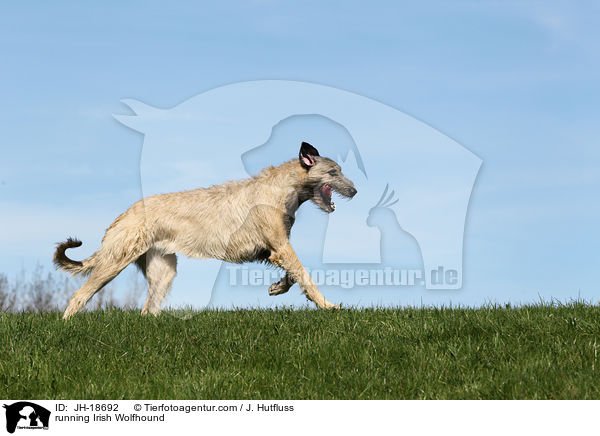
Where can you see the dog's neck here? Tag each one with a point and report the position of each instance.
(289, 185)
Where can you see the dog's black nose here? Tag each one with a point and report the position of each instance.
(353, 192)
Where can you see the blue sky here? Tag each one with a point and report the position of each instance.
(514, 82)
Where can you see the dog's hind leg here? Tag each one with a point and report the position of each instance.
(99, 277)
(160, 270)
(286, 258)
(282, 286)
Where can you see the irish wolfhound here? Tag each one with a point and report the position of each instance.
(239, 221)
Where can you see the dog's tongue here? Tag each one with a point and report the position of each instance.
(326, 193)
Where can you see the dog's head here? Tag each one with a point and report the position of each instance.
(323, 176)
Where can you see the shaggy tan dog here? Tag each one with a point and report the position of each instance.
(239, 221)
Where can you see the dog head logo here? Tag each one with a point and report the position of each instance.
(427, 177)
(26, 415)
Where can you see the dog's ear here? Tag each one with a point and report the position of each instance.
(307, 155)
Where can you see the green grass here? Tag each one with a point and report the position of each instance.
(545, 351)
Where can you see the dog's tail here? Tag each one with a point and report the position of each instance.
(75, 267)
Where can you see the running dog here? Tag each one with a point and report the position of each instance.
(238, 221)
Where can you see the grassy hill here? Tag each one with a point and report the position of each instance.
(545, 351)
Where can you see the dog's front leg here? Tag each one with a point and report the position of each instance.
(282, 286)
(286, 258)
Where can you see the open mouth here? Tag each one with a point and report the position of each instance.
(326, 196)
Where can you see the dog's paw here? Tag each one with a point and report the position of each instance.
(278, 289)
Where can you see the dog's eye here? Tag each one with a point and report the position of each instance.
(332, 172)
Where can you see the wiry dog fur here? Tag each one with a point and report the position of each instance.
(238, 221)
